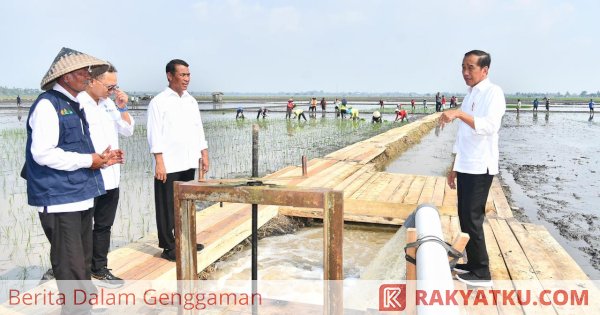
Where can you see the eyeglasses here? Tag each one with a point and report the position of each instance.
(110, 88)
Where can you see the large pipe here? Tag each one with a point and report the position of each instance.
(433, 271)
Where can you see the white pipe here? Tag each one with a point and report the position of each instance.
(433, 271)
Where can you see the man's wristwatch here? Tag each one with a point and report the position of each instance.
(122, 110)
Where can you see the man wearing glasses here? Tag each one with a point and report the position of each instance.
(62, 170)
(176, 139)
(107, 120)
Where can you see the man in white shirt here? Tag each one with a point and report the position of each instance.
(177, 141)
(61, 169)
(106, 121)
(476, 160)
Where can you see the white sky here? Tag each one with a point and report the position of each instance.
(273, 46)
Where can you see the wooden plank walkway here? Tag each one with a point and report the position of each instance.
(518, 251)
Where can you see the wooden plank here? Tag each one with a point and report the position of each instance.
(499, 199)
(438, 191)
(338, 172)
(518, 265)
(427, 191)
(400, 194)
(357, 183)
(366, 186)
(392, 187)
(489, 205)
(414, 192)
(450, 197)
(374, 192)
(369, 168)
(446, 229)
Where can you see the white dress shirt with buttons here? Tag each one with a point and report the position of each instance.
(477, 149)
(105, 126)
(44, 140)
(175, 130)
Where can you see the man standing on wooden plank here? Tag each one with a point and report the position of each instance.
(107, 120)
(475, 160)
(177, 141)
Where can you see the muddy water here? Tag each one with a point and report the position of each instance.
(300, 255)
(550, 164)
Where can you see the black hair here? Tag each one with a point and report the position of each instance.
(98, 72)
(484, 59)
(171, 65)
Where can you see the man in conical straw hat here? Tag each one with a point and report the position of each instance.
(62, 169)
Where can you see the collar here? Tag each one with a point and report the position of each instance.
(59, 88)
(171, 92)
(480, 86)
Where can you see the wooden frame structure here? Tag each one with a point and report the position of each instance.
(331, 201)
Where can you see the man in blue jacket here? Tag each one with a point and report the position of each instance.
(61, 168)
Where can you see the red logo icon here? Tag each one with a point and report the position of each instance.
(392, 297)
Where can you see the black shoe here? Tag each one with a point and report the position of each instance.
(199, 247)
(473, 280)
(104, 278)
(461, 269)
(168, 254)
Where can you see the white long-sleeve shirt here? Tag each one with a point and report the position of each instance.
(477, 149)
(175, 130)
(106, 124)
(44, 140)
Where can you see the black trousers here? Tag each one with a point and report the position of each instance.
(105, 209)
(165, 206)
(472, 191)
(70, 236)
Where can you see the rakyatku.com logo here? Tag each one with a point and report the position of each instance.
(392, 297)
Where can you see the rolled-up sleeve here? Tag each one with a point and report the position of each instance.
(124, 128)
(44, 141)
(490, 123)
(155, 128)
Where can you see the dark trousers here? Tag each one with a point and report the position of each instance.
(165, 206)
(105, 209)
(70, 236)
(472, 191)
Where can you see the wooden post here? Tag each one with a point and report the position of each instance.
(460, 242)
(333, 238)
(201, 173)
(185, 242)
(304, 166)
(411, 273)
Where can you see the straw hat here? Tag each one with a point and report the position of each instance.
(69, 60)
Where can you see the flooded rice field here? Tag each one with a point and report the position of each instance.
(24, 248)
(549, 167)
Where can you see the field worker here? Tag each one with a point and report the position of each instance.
(313, 105)
(547, 104)
(107, 120)
(443, 102)
(412, 104)
(62, 171)
(262, 111)
(177, 141)
(591, 105)
(401, 115)
(424, 105)
(518, 105)
(298, 112)
(239, 113)
(376, 117)
(323, 104)
(476, 160)
(289, 107)
(353, 112)
(343, 109)
(381, 104)
(535, 104)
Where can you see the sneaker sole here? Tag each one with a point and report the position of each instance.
(459, 271)
(476, 283)
(105, 284)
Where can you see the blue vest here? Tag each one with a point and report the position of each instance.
(47, 186)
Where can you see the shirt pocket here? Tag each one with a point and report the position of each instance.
(73, 132)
